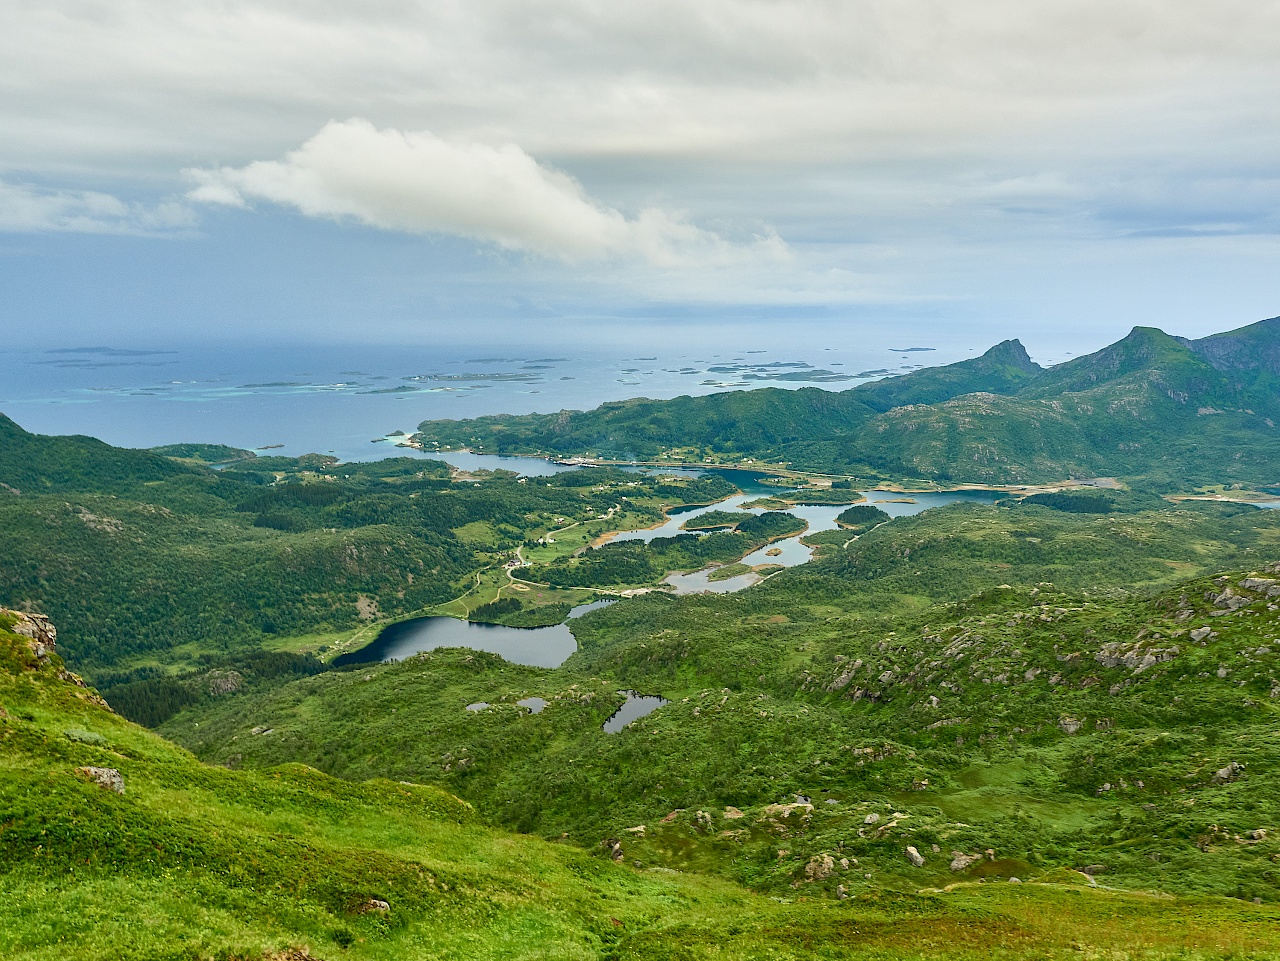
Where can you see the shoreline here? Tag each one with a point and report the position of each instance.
(788, 473)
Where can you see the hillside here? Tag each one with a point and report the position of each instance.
(118, 845)
(156, 562)
(1059, 727)
(1161, 411)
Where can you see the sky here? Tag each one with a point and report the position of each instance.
(397, 172)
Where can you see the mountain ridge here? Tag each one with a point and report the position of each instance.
(1129, 410)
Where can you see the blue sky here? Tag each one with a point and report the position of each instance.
(572, 170)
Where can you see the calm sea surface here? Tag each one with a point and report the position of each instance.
(340, 399)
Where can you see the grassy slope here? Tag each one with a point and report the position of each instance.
(200, 862)
(768, 703)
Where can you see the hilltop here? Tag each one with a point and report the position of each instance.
(1162, 411)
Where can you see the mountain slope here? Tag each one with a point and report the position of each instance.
(1004, 369)
(1255, 347)
(1154, 408)
(35, 463)
(118, 845)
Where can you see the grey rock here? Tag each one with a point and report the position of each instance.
(223, 682)
(107, 778)
(819, 867)
(1228, 773)
(914, 856)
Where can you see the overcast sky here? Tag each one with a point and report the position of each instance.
(393, 170)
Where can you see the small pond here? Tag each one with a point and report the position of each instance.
(633, 708)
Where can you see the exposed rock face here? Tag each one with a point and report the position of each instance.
(1070, 725)
(914, 856)
(1228, 600)
(224, 682)
(43, 646)
(1200, 633)
(961, 861)
(39, 628)
(1136, 656)
(784, 810)
(1266, 584)
(107, 778)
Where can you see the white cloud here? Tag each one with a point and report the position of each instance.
(27, 209)
(417, 182)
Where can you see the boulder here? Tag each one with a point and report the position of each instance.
(1228, 773)
(820, 866)
(107, 778)
(961, 861)
(914, 856)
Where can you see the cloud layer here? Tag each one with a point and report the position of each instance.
(420, 183)
(24, 208)
(903, 150)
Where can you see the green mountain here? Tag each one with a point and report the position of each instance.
(1132, 734)
(1256, 347)
(36, 463)
(118, 845)
(1004, 369)
(1155, 409)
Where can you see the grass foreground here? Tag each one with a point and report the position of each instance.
(196, 861)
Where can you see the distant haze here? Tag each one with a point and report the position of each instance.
(583, 172)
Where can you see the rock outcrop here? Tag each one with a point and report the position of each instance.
(107, 778)
(39, 628)
(42, 642)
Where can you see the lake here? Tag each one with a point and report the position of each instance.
(791, 551)
(533, 646)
